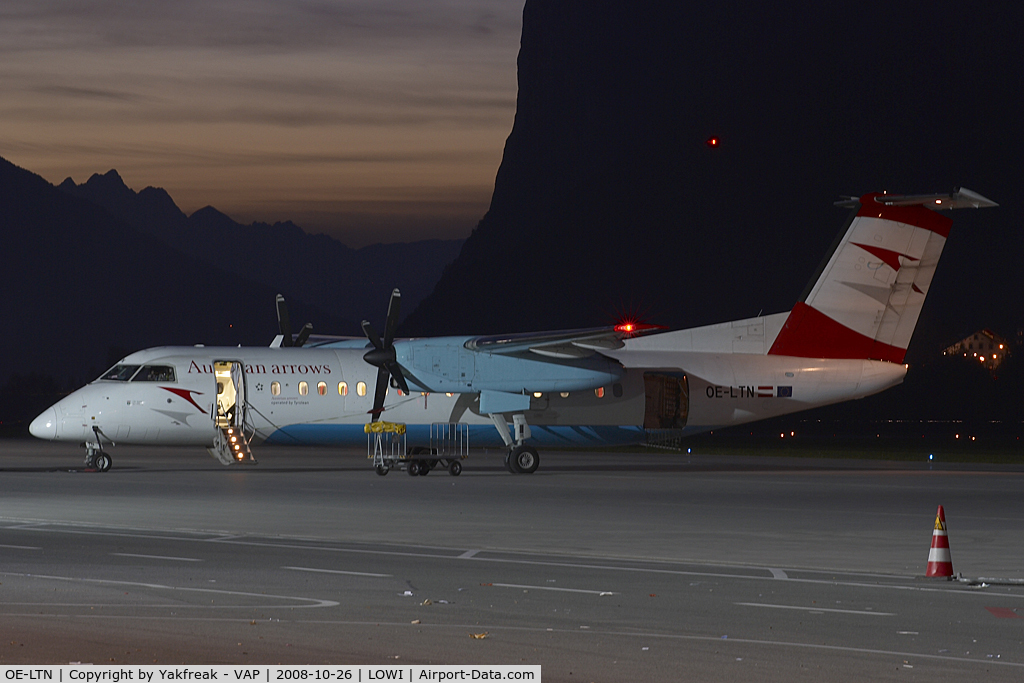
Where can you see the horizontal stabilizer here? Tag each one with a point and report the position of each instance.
(960, 198)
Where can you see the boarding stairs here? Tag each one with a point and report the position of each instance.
(230, 447)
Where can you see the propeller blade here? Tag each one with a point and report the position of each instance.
(396, 371)
(303, 334)
(371, 334)
(394, 307)
(382, 355)
(379, 392)
(283, 321)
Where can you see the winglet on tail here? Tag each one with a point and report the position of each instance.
(867, 299)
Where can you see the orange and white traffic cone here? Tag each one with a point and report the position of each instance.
(939, 561)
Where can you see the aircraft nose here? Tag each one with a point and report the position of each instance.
(44, 426)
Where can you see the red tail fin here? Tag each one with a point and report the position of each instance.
(867, 300)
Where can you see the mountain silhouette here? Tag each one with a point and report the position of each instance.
(352, 283)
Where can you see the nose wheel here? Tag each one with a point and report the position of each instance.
(99, 461)
(95, 459)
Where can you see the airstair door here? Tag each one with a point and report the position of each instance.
(231, 402)
(230, 444)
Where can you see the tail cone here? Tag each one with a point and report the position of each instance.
(939, 561)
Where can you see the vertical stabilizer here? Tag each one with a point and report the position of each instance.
(867, 299)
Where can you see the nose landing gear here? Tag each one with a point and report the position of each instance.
(96, 459)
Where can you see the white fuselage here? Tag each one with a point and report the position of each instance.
(323, 396)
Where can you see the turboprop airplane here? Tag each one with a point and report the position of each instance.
(845, 339)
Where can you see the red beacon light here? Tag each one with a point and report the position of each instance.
(712, 142)
(631, 329)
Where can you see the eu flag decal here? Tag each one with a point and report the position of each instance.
(785, 392)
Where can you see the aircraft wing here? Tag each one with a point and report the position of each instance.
(563, 344)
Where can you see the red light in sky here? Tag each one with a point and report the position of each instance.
(712, 142)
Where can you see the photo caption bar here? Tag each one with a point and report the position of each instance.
(155, 673)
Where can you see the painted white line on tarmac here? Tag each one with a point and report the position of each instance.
(313, 602)
(778, 573)
(551, 588)
(816, 609)
(158, 557)
(337, 571)
(20, 547)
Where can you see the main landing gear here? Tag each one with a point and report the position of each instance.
(520, 458)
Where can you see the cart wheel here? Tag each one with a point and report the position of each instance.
(414, 468)
(455, 468)
(381, 470)
(425, 467)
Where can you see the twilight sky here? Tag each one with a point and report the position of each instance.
(371, 120)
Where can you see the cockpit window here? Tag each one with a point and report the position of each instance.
(120, 373)
(155, 373)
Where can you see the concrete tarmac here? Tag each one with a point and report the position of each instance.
(599, 567)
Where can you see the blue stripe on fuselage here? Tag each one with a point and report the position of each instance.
(480, 436)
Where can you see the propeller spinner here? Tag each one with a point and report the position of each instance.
(383, 357)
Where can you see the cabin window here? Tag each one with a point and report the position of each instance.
(564, 394)
(342, 388)
(120, 373)
(361, 388)
(303, 388)
(275, 388)
(599, 392)
(154, 373)
(321, 388)
(538, 394)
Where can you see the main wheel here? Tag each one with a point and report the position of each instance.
(103, 462)
(455, 468)
(510, 463)
(525, 460)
